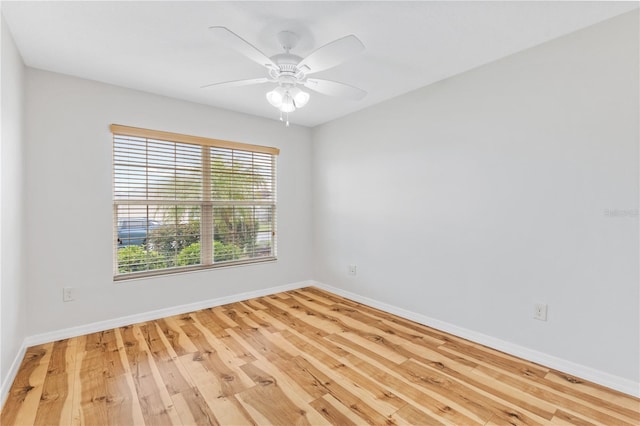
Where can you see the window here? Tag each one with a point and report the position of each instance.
(185, 202)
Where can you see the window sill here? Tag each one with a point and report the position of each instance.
(183, 270)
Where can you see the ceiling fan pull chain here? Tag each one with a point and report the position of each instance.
(287, 123)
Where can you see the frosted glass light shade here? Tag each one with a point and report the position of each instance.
(300, 98)
(275, 97)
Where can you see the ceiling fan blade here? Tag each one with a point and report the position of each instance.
(331, 54)
(333, 88)
(238, 83)
(241, 45)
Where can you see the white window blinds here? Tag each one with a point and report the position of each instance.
(183, 202)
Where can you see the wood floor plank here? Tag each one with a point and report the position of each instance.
(304, 357)
(347, 398)
(220, 314)
(55, 401)
(600, 414)
(226, 409)
(452, 370)
(283, 376)
(334, 412)
(92, 386)
(76, 379)
(254, 304)
(280, 311)
(440, 408)
(461, 373)
(155, 401)
(232, 380)
(345, 346)
(259, 346)
(341, 304)
(55, 392)
(208, 319)
(616, 402)
(392, 366)
(174, 379)
(119, 400)
(131, 408)
(410, 415)
(24, 397)
(315, 298)
(289, 309)
(260, 372)
(335, 376)
(495, 358)
(345, 305)
(357, 322)
(192, 408)
(180, 342)
(564, 418)
(463, 394)
(377, 344)
(218, 338)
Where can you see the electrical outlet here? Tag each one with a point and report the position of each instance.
(352, 269)
(540, 311)
(67, 294)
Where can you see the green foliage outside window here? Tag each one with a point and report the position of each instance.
(171, 239)
(221, 252)
(136, 258)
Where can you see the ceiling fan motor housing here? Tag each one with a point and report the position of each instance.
(287, 72)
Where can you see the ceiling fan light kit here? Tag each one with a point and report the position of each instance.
(287, 99)
(289, 71)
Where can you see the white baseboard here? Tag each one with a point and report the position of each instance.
(605, 379)
(94, 327)
(11, 374)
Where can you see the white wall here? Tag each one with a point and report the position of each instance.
(470, 200)
(69, 201)
(13, 292)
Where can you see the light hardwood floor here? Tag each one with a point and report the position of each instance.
(296, 358)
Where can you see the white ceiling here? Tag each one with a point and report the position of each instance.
(166, 48)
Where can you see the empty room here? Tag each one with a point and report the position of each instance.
(320, 213)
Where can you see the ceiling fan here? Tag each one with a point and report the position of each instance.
(289, 71)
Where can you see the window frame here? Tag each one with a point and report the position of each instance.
(206, 204)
